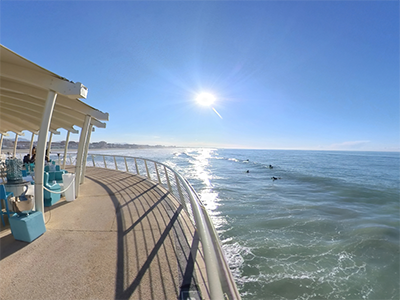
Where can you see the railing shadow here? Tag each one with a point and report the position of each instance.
(8, 246)
(151, 201)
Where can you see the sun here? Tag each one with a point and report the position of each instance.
(205, 99)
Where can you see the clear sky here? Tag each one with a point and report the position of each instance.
(286, 74)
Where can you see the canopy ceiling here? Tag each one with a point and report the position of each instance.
(24, 88)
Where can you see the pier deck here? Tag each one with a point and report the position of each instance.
(124, 238)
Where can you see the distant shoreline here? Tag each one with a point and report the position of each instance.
(61, 150)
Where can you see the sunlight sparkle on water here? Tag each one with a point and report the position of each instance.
(208, 196)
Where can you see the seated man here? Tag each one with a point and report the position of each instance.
(27, 159)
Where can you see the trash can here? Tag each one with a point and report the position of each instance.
(68, 180)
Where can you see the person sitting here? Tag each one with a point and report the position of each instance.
(47, 157)
(27, 159)
(33, 157)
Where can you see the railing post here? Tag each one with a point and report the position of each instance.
(180, 192)
(137, 168)
(169, 183)
(126, 165)
(94, 164)
(147, 169)
(158, 175)
(115, 161)
(105, 164)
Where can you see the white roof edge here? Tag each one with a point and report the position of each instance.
(24, 77)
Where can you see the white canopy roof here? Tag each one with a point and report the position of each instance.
(24, 88)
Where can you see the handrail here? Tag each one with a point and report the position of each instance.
(220, 279)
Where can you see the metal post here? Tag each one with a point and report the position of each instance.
(79, 157)
(89, 134)
(105, 164)
(137, 168)
(15, 145)
(115, 162)
(126, 165)
(147, 169)
(158, 175)
(40, 150)
(169, 183)
(180, 193)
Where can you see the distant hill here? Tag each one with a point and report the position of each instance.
(24, 144)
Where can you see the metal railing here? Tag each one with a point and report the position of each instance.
(220, 279)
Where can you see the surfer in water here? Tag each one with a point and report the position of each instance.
(275, 178)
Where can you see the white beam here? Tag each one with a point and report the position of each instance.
(9, 126)
(56, 132)
(98, 124)
(43, 80)
(40, 150)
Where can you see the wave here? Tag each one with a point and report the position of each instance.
(182, 154)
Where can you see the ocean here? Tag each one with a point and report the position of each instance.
(327, 228)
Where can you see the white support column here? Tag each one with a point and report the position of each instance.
(3, 134)
(15, 145)
(49, 144)
(30, 148)
(79, 157)
(86, 153)
(40, 150)
(66, 149)
(1, 141)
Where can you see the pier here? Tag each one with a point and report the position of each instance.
(125, 237)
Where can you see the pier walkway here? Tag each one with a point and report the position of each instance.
(125, 237)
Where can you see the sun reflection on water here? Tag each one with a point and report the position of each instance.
(207, 195)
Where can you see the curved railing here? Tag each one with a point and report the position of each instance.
(221, 282)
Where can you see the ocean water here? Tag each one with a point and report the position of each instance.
(329, 228)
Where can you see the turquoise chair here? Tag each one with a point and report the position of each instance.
(50, 198)
(55, 175)
(4, 197)
(30, 168)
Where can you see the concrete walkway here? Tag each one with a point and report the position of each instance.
(123, 238)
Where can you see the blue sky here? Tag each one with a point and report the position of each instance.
(287, 75)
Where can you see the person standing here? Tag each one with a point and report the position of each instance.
(33, 157)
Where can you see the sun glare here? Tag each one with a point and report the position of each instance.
(205, 99)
